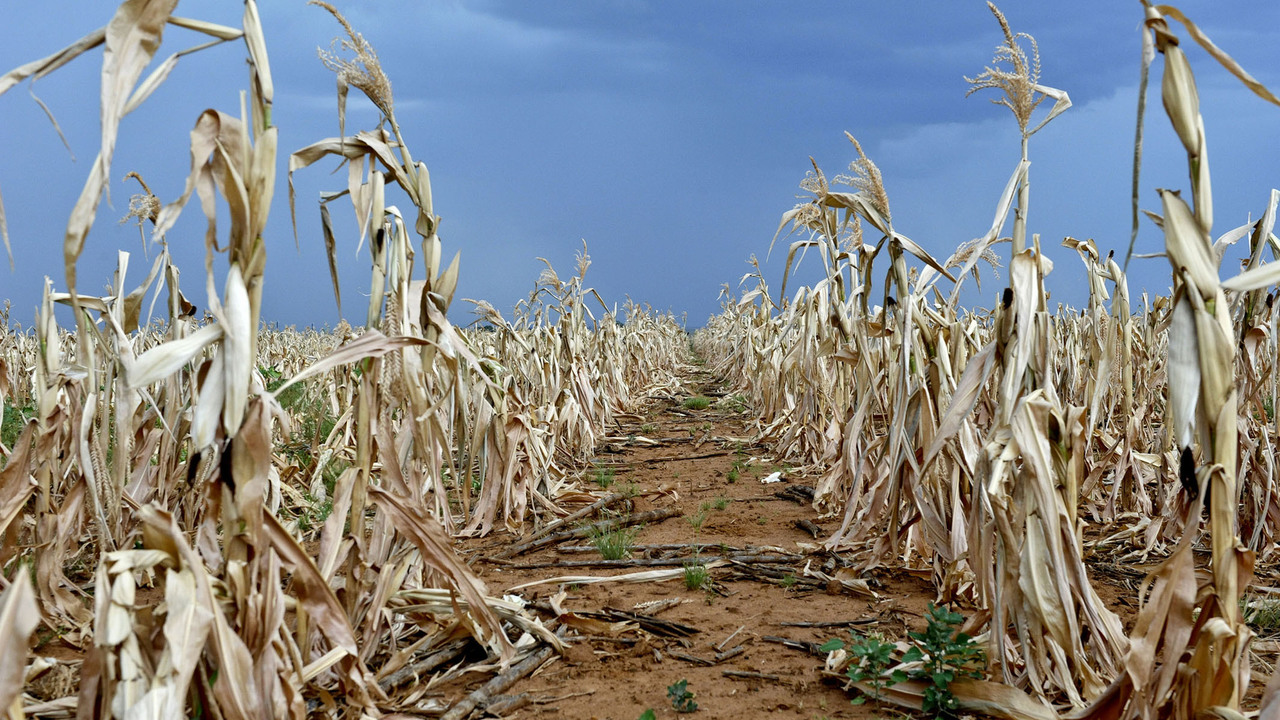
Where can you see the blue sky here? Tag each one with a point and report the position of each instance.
(671, 136)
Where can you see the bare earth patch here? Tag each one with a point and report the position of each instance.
(752, 632)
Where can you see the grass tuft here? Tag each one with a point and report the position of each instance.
(614, 544)
(696, 575)
(604, 477)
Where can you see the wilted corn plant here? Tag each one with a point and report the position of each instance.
(826, 356)
(554, 401)
(451, 413)
(454, 431)
(1204, 666)
(1023, 93)
(1114, 427)
(97, 395)
(926, 505)
(564, 377)
(1074, 440)
(1029, 526)
(474, 440)
(188, 430)
(1024, 516)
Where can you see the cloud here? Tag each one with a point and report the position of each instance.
(670, 135)
(944, 178)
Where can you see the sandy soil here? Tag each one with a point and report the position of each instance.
(746, 643)
(733, 657)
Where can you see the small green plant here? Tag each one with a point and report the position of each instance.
(648, 428)
(15, 417)
(787, 581)
(647, 715)
(945, 654)
(681, 697)
(698, 402)
(722, 502)
(314, 513)
(1262, 614)
(871, 657)
(604, 477)
(614, 544)
(696, 575)
(942, 651)
(734, 403)
(697, 519)
(629, 490)
(733, 474)
(312, 421)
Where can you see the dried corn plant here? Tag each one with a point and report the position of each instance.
(1023, 93)
(262, 516)
(949, 437)
(493, 430)
(1204, 665)
(246, 520)
(1024, 516)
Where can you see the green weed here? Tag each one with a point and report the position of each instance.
(681, 697)
(1262, 614)
(942, 651)
(698, 402)
(697, 519)
(314, 513)
(871, 657)
(696, 575)
(604, 477)
(14, 418)
(614, 544)
(946, 654)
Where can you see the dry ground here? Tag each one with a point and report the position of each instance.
(726, 641)
(731, 652)
(747, 643)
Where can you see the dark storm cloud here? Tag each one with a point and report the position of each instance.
(670, 135)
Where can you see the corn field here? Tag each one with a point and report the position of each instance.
(245, 521)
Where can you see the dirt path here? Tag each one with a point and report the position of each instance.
(745, 642)
(725, 639)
